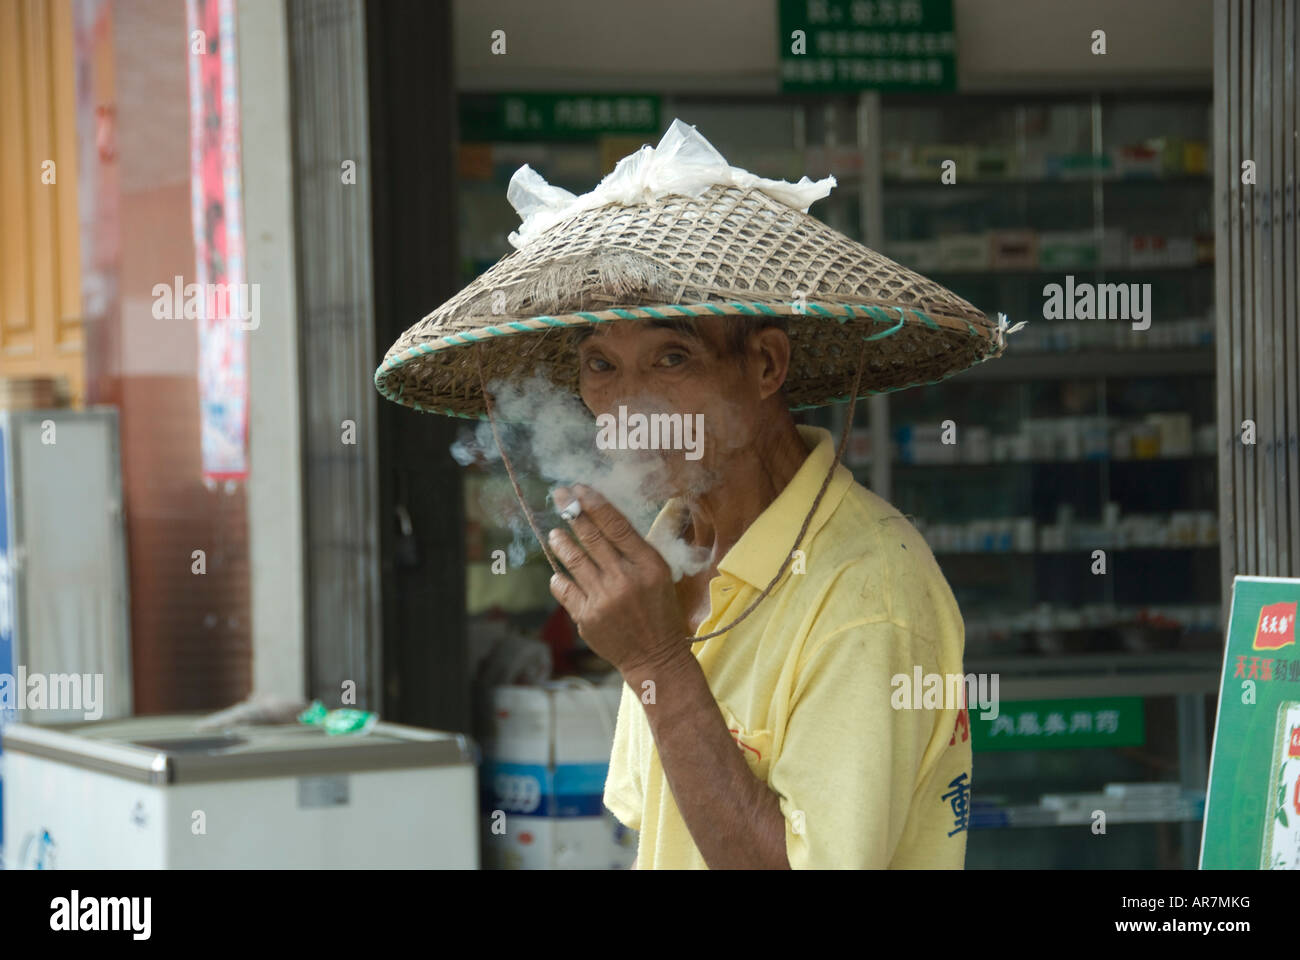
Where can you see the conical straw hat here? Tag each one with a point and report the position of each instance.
(731, 250)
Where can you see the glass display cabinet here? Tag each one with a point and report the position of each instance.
(1067, 489)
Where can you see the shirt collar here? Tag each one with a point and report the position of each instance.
(764, 546)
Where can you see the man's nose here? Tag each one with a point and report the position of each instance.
(630, 387)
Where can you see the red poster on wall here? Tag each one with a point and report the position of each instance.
(224, 305)
(97, 197)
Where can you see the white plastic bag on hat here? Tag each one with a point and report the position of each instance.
(683, 163)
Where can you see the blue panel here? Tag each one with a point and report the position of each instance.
(567, 790)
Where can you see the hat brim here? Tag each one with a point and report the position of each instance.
(728, 252)
(444, 375)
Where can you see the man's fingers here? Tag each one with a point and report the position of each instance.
(610, 524)
(579, 564)
(569, 594)
(590, 535)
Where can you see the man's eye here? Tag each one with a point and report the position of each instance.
(672, 359)
(597, 364)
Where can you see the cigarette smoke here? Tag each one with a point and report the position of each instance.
(549, 433)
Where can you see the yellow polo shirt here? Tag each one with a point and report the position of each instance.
(806, 682)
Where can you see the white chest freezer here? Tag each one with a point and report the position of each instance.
(155, 792)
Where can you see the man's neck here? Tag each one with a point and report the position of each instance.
(751, 480)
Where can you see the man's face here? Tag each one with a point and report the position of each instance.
(652, 369)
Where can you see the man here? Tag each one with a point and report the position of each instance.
(827, 773)
(759, 725)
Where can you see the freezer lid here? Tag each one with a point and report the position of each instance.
(172, 749)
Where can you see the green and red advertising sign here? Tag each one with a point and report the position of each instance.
(1252, 805)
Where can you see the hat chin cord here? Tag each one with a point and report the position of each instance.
(803, 530)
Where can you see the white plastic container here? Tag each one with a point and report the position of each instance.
(544, 768)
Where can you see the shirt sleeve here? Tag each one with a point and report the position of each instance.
(849, 762)
(624, 793)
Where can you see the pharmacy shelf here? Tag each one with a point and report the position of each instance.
(986, 182)
(1169, 624)
(1084, 663)
(1179, 663)
(1111, 364)
(1105, 685)
(1113, 548)
(1181, 619)
(1183, 458)
(1068, 676)
(990, 817)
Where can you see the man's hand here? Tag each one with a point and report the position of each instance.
(619, 591)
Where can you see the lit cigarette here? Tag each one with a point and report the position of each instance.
(573, 510)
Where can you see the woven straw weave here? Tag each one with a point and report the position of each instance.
(728, 252)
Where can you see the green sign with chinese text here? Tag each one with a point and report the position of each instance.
(1060, 724)
(894, 45)
(556, 116)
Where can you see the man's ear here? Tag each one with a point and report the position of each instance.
(770, 353)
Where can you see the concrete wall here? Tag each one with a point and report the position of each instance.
(275, 519)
